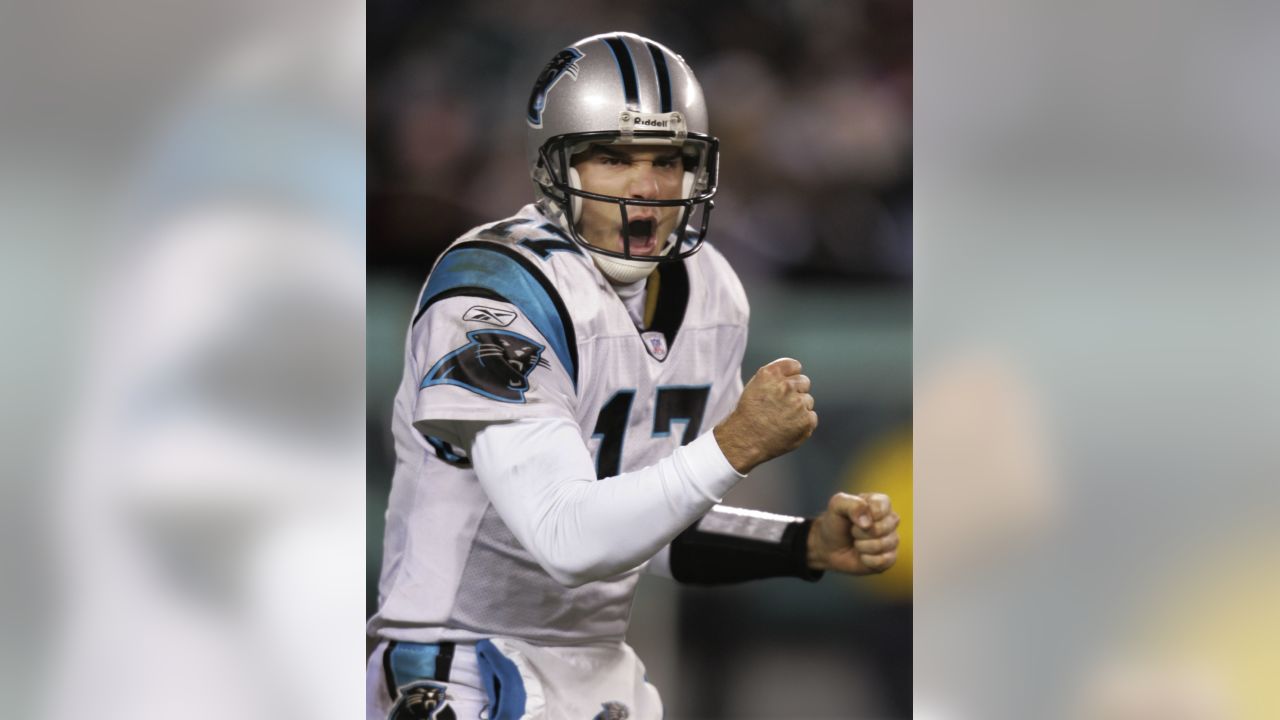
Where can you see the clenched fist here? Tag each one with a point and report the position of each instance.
(858, 534)
(774, 416)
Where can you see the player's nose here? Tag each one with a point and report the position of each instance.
(643, 183)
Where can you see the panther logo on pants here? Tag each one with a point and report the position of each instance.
(422, 701)
(613, 711)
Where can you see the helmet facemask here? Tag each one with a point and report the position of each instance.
(559, 182)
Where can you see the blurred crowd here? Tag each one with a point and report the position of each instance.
(811, 102)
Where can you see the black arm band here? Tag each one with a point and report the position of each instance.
(731, 545)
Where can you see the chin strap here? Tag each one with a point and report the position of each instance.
(625, 272)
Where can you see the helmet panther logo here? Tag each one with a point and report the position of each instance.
(494, 363)
(613, 711)
(564, 63)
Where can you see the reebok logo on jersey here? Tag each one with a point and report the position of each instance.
(492, 316)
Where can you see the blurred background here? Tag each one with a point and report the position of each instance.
(812, 104)
(181, 518)
(1095, 356)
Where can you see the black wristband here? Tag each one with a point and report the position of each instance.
(729, 545)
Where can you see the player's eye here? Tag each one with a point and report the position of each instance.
(666, 163)
(610, 160)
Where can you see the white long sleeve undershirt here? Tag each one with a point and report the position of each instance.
(540, 477)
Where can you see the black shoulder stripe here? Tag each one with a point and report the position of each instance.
(471, 291)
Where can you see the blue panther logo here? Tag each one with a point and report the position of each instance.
(494, 363)
(564, 63)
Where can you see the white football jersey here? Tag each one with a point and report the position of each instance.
(515, 321)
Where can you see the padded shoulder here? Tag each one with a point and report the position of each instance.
(499, 271)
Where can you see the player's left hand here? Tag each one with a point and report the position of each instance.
(857, 534)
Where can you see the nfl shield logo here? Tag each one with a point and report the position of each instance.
(656, 343)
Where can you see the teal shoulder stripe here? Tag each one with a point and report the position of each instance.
(483, 267)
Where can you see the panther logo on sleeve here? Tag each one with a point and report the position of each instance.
(494, 363)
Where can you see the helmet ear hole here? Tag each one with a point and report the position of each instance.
(686, 191)
(575, 182)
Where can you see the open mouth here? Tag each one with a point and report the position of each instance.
(638, 236)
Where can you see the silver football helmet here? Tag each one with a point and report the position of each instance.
(621, 88)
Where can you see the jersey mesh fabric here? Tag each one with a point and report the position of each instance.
(504, 592)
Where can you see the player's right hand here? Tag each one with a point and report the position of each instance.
(774, 416)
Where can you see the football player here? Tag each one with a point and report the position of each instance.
(572, 411)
